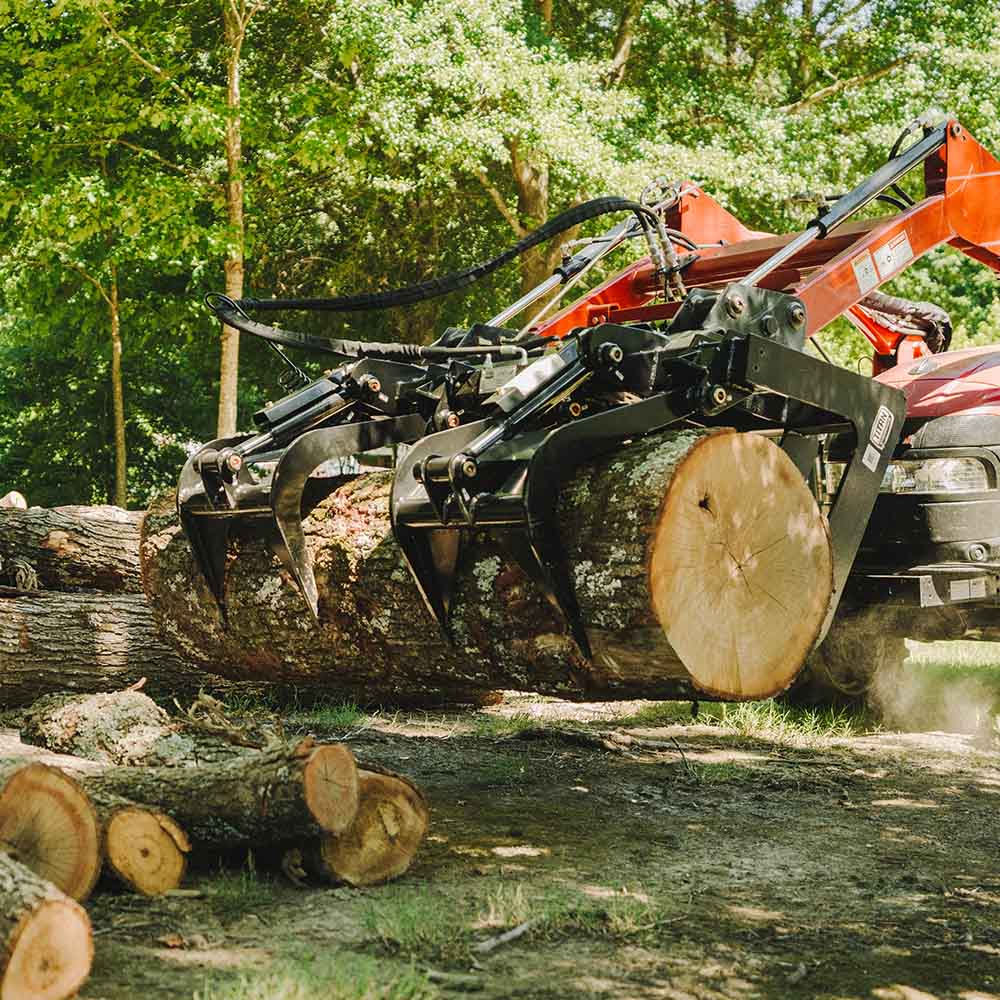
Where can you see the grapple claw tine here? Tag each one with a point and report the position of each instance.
(432, 555)
(301, 460)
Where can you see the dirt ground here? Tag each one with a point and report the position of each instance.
(725, 862)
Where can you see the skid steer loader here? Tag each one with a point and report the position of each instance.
(711, 328)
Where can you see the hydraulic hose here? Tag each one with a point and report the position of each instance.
(435, 287)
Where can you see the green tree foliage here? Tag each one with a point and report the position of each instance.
(383, 141)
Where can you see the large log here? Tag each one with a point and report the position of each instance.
(46, 946)
(709, 541)
(75, 548)
(90, 641)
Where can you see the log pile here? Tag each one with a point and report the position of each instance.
(112, 780)
(72, 613)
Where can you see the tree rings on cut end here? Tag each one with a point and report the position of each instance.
(382, 841)
(51, 953)
(48, 824)
(740, 566)
(146, 849)
(330, 783)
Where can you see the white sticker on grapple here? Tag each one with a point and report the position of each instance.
(893, 254)
(881, 426)
(870, 458)
(864, 271)
(959, 590)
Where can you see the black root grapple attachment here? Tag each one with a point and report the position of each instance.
(611, 383)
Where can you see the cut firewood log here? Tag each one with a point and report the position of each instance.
(46, 945)
(76, 548)
(382, 842)
(703, 546)
(48, 824)
(254, 798)
(144, 848)
(82, 642)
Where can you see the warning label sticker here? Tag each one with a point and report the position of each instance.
(864, 271)
(870, 458)
(892, 255)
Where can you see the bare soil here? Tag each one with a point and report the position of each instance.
(723, 865)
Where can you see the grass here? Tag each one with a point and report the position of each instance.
(432, 927)
(770, 719)
(342, 715)
(502, 770)
(486, 724)
(234, 894)
(306, 976)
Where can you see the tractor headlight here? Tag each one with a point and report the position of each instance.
(936, 475)
(928, 475)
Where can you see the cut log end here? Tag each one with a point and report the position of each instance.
(146, 850)
(50, 953)
(382, 841)
(740, 567)
(48, 824)
(330, 783)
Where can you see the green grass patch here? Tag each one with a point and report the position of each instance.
(342, 715)
(769, 719)
(307, 976)
(503, 770)
(488, 725)
(233, 894)
(426, 927)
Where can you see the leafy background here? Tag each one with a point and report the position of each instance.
(384, 142)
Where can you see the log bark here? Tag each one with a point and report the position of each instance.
(48, 824)
(383, 840)
(76, 548)
(253, 799)
(46, 945)
(85, 642)
(379, 643)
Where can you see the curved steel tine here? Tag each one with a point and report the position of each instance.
(302, 459)
(207, 536)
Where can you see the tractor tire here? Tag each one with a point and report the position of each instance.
(841, 671)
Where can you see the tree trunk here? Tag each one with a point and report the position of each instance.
(623, 40)
(46, 947)
(76, 548)
(48, 824)
(382, 841)
(235, 29)
(90, 642)
(531, 179)
(252, 799)
(118, 395)
(744, 544)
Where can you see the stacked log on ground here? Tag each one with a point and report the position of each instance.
(696, 546)
(389, 814)
(46, 945)
(72, 613)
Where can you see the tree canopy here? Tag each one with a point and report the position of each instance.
(371, 143)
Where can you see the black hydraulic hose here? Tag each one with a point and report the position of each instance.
(231, 313)
(435, 287)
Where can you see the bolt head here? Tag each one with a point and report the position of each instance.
(452, 420)
(234, 462)
(735, 304)
(956, 130)
(720, 395)
(978, 553)
(769, 326)
(797, 314)
(469, 468)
